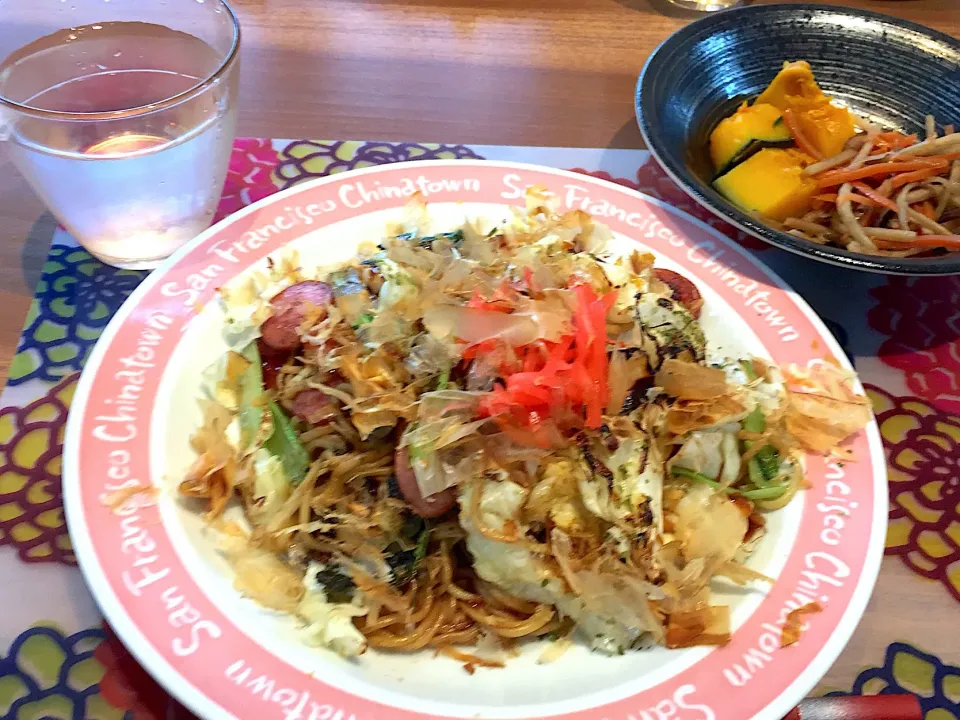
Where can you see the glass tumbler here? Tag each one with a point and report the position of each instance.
(120, 114)
(707, 5)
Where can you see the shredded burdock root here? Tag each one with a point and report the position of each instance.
(887, 194)
(483, 435)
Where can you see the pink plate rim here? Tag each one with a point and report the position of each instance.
(839, 542)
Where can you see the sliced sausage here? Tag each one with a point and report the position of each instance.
(314, 406)
(429, 507)
(297, 295)
(681, 289)
(281, 330)
(270, 363)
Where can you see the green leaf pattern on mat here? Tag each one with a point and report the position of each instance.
(75, 299)
(907, 669)
(47, 674)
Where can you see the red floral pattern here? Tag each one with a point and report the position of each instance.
(921, 319)
(652, 180)
(923, 461)
(250, 175)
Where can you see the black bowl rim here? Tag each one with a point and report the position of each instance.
(945, 265)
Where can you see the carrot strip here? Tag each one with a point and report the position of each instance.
(908, 177)
(798, 137)
(826, 197)
(838, 177)
(875, 196)
(948, 242)
(926, 209)
(894, 140)
(949, 157)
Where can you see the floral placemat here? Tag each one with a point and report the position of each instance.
(59, 660)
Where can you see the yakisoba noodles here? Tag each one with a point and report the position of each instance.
(498, 432)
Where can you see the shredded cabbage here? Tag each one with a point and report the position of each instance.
(715, 453)
(709, 526)
(331, 624)
(271, 488)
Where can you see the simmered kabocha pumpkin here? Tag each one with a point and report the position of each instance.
(750, 128)
(794, 83)
(761, 150)
(826, 126)
(771, 182)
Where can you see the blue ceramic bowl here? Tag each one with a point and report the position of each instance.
(888, 70)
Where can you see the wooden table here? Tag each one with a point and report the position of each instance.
(538, 72)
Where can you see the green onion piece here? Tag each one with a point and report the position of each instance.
(364, 319)
(699, 477)
(756, 474)
(764, 493)
(768, 459)
(767, 493)
(764, 466)
(251, 396)
(755, 422)
(422, 452)
(444, 380)
(421, 551)
(286, 445)
(747, 367)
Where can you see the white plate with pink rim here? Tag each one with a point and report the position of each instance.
(152, 564)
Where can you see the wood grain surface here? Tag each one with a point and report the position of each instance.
(537, 72)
